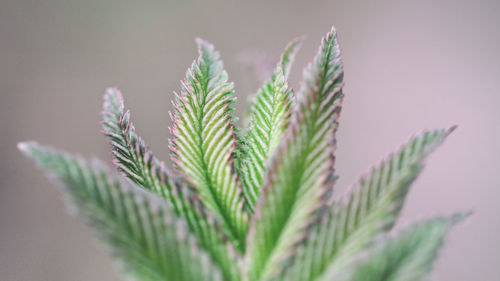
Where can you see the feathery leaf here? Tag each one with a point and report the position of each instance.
(369, 209)
(301, 172)
(152, 244)
(288, 56)
(407, 256)
(268, 121)
(203, 140)
(131, 154)
(281, 171)
(136, 160)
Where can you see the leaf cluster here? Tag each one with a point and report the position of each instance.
(256, 203)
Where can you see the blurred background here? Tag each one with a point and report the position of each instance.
(409, 65)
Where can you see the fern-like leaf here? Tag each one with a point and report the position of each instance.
(268, 120)
(137, 162)
(301, 172)
(288, 56)
(131, 154)
(369, 209)
(204, 140)
(152, 244)
(406, 256)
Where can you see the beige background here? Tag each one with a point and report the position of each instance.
(409, 65)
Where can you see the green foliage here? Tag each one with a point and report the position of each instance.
(135, 159)
(204, 140)
(407, 256)
(269, 119)
(257, 205)
(369, 209)
(151, 242)
(300, 175)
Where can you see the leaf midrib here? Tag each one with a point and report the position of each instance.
(227, 220)
(306, 151)
(273, 118)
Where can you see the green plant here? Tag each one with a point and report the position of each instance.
(255, 205)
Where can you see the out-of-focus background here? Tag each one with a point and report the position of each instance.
(409, 65)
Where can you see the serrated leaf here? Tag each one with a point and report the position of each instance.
(268, 121)
(301, 172)
(407, 256)
(203, 140)
(369, 209)
(151, 243)
(137, 162)
(288, 56)
(131, 154)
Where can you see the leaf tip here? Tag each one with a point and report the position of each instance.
(113, 99)
(113, 91)
(296, 43)
(203, 44)
(460, 217)
(24, 146)
(333, 30)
